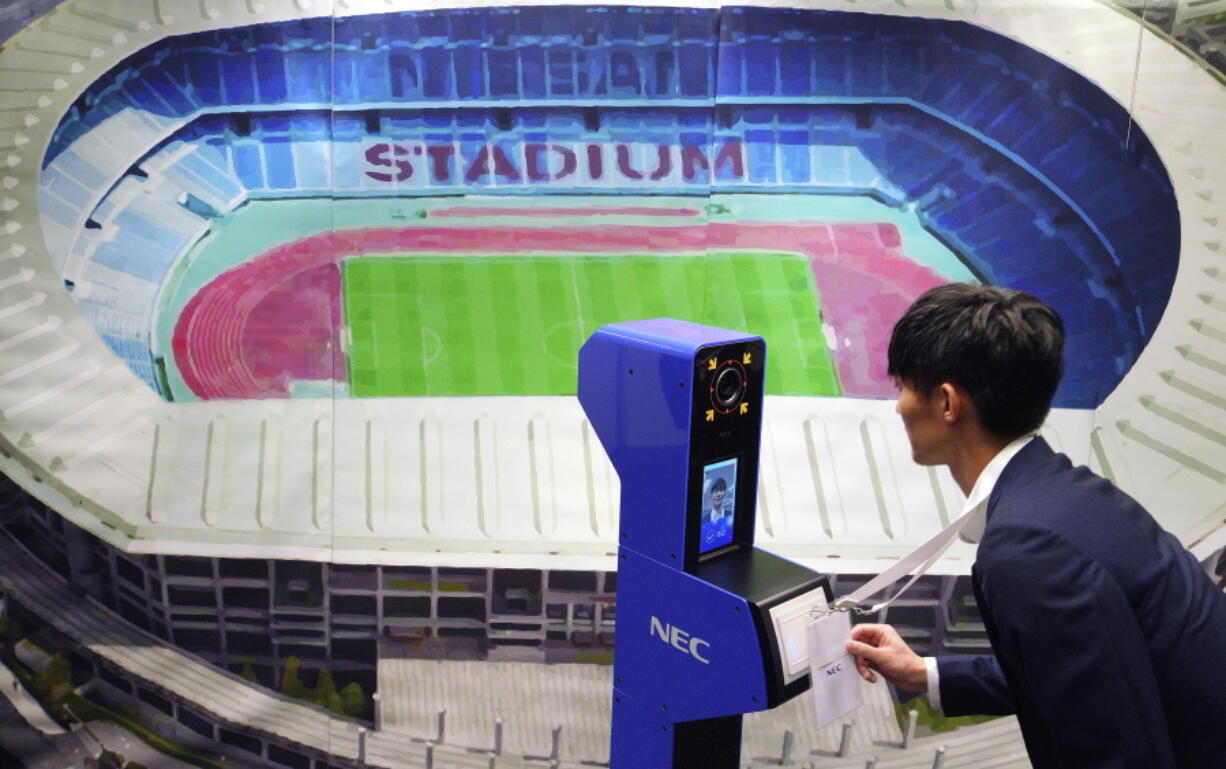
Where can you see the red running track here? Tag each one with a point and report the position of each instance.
(265, 323)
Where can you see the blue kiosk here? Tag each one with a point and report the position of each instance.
(709, 627)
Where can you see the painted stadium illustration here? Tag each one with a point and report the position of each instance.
(291, 295)
(853, 155)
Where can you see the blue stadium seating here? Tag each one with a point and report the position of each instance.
(249, 163)
(202, 171)
(61, 199)
(121, 318)
(139, 230)
(312, 163)
(80, 169)
(67, 188)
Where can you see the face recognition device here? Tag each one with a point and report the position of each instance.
(709, 627)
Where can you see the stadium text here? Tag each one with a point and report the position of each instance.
(606, 163)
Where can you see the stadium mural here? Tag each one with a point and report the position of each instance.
(251, 253)
(663, 131)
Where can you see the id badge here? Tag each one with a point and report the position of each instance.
(832, 671)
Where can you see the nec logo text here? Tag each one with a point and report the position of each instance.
(679, 639)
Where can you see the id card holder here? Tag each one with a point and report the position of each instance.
(832, 671)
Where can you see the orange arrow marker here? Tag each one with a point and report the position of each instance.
(744, 408)
(711, 364)
(710, 415)
(747, 359)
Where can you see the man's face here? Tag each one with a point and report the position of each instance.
(923, 417)
(717, 498)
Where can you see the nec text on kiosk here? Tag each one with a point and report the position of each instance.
(679, 639)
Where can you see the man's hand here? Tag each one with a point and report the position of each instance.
(879, 649)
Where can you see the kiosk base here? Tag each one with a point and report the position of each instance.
(642, 740)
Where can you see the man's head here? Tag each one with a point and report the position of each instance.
(719, 489)
(1004, 348)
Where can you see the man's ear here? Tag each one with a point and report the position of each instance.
(951, 400)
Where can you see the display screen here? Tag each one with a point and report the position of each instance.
(718, 505)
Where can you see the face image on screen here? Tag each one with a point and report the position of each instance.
(718, 505)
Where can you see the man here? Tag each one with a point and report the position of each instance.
(716, 513)
(1109, 640)
(716, 529)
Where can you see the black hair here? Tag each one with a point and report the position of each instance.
(1004, 347)
(719, 484)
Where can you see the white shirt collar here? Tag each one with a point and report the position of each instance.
(977, 501)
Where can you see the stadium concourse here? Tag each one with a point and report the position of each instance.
(143, 140)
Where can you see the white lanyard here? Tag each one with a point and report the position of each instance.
(923, 556)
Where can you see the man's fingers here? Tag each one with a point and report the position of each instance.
(875, 636)
(865, 671)
(867, 631)
(864, 662)
(870, 653)
(876, 649)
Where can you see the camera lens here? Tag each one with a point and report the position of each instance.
(729, 383)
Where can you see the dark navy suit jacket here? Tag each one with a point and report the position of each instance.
(1109, 640)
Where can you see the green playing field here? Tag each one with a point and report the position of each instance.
(512, 325)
